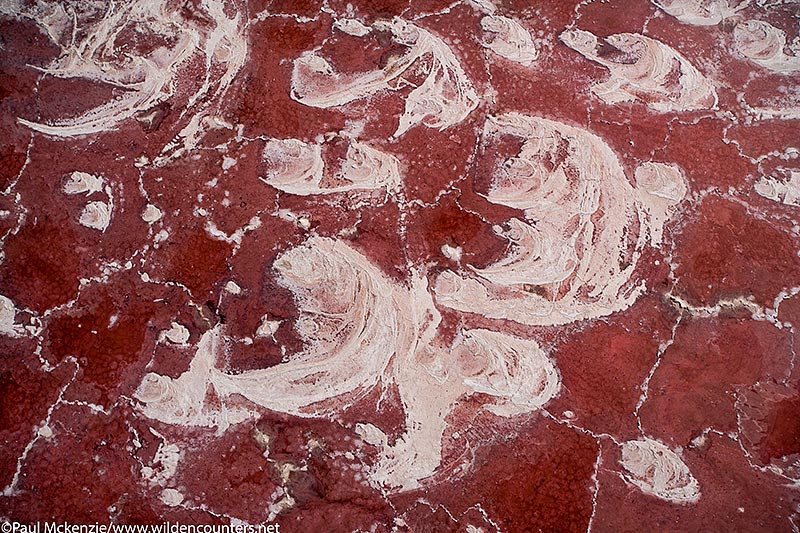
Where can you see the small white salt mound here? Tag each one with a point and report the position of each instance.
(444, 98)
(507, 38)
(268, 327)
(783, 191)
(96, 215)
(171, 497)
(151, 214)
(83, 183)
(233, 288)
(176, 334)
(8, 313)
(452, 252)
(658, 471)
(701, 12)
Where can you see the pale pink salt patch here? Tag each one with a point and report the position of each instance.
(444, 98)
(658, 471)
(644, 70)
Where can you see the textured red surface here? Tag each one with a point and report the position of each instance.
(703, 361)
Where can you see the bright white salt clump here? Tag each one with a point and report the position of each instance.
(83, 183)
(353, 320)
(664, 186)
(171, 497)
(181, 401)
(764, 44)
(8, 313)
(233, 288)
(452, 252)
(176, 334)
(365, 167)
(644, 69)
(295, 167)
(360, 327)
(268, 327)
(512, 369)
(658, 471)
(443, 99)
(96, 215)
(213, 37)
(352, 27)
(351, 323)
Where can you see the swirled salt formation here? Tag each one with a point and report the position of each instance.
(359, 328)
(145, 78)
(665, 186)
(574, 254)
(297, 167)
(658, 471)
(507, 38)
(515, 371)
(182, 401)
(764, 44)
(644, 69)
(8, 313)
(353, 320)
(785, 191)
(701, 12)
(444, 98)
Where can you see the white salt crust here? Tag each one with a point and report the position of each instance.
(443, 99)
(643, 69)
(658, 471)
(570, 258)
(701, 12)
